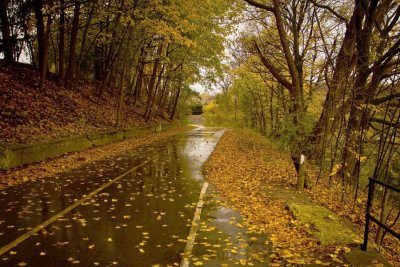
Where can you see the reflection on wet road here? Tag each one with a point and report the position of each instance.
(141, 219)
(224, 239)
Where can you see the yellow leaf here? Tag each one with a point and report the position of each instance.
(335, 169)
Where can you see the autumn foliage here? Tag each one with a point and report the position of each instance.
(244, 167)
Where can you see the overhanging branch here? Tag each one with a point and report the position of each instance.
(329, 9)
(272, 69)
(381, 100)
(388, 123)
(260, 5)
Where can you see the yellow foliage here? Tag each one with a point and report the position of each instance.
(243, 164)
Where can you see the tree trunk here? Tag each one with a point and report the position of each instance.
(175, 103)
(153, 83)
(123, 80)
(384, 214)
(61, 47)
(177, 94)
(41, 34)
(332, 112)
(163, 92)
(121, 97)
(294, 65)
(72, 44)
(357, 122)
(156, 90)
(43, 69)
(5, 33)
(83, 44)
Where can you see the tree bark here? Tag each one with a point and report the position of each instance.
(72, 44)
(83, 44)
(5, 33)
(43, 69)
(123, 80)
(41, 34)
(152, 83)
(364, 23)
(383, 216)
(332, 112)
(178, 93)
(61, 46)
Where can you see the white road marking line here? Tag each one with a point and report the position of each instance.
(28, 234)
(193, 229)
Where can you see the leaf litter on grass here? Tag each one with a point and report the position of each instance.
(242, 164)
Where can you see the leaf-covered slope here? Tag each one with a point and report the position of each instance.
(28, 114)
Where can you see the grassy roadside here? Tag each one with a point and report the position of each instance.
(257, 178)
(74, 160)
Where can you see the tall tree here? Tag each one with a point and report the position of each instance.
(294, 63)
(5, 33)
(72, 43)
(61, 45)
(41, 34)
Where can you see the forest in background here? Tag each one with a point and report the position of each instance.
(322, 79)
(130, 56)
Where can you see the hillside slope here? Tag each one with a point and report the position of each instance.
(29, 115)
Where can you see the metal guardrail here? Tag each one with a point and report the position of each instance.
(369, 216)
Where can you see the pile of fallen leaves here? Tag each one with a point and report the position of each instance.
(73, 160)
(242, 164)
(29, 114)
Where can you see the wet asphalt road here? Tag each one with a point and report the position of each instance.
(143, 218)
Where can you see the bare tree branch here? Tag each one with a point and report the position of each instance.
(393, 22)
(329, 9)
(388, 123)
(260, 5)
(381, 100)
(385, 59)
(272, 69)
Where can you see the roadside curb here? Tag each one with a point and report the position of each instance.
(20, 154)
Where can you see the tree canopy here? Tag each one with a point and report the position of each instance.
(151, 50)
